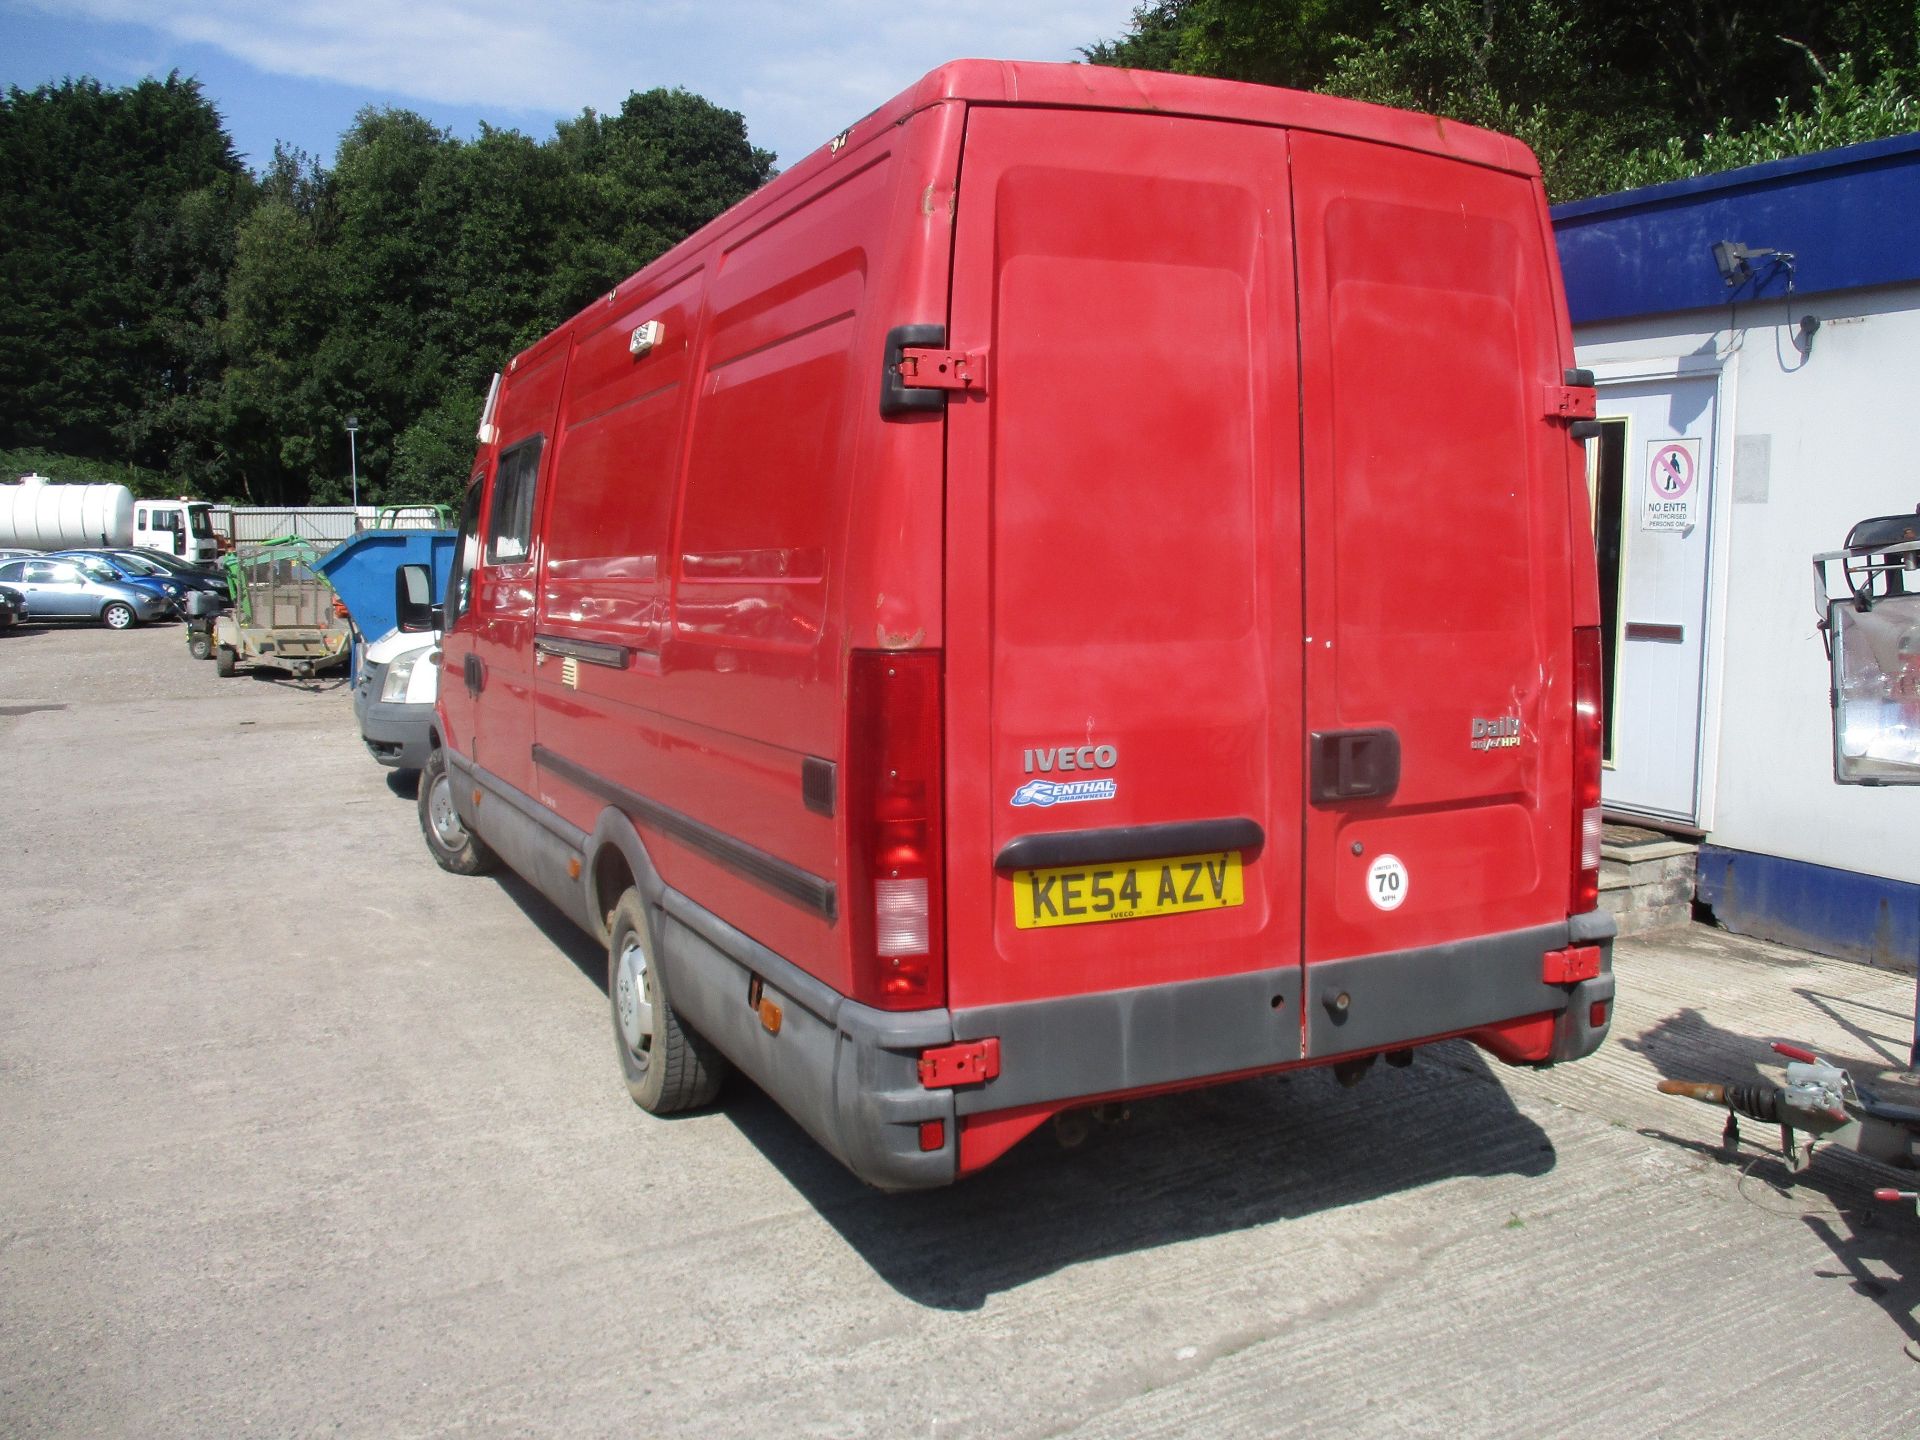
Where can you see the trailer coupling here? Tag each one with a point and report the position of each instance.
(1819, 1100)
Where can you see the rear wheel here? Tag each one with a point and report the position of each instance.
(118, 615)
(668, 1066)
(225, 660)
(455, 848)
(199, 644)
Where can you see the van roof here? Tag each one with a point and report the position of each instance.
(1103, 87)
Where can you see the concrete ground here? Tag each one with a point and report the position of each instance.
(299, 1135)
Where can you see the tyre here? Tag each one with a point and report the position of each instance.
(455, 848)
(225, 660)
(199, 644)
(118, 615)
(667, 1064)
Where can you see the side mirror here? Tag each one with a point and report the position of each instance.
(413, 607)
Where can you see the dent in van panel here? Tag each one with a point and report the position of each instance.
(606, 597)
(771, 562)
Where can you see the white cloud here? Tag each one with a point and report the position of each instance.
(799, 72)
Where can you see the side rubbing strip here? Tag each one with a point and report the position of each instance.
(1129, 842)
(769, 872)
(589, 652)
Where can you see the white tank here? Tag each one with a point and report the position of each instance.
(38, 514)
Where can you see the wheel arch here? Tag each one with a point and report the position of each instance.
(617, 859)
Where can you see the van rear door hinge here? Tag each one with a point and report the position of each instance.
(924, 369)
(1577, 400)
(1572, 402)
(971, 1062)
(919, 372)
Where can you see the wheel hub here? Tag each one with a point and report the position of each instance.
(630, 997)
(446, 819)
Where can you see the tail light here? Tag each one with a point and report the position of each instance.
(896, 895)
(1587, 732)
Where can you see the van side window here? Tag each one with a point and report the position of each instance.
(510, 528)
(465, 552)
(140, 518)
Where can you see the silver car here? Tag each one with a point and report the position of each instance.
(57, 589)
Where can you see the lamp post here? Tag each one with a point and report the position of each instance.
(353, 461)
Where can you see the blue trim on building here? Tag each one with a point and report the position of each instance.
(1847, 216)
(1812, 907)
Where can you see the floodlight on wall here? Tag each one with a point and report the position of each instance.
(1734, 260)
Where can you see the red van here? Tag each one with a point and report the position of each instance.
(1080, 588)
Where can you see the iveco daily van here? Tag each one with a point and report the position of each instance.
(1080, 588)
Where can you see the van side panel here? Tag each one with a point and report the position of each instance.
(1123, 543)
(699, 521)
(1436, 592)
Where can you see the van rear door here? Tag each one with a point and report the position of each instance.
(1123, 626)
(1438, 594)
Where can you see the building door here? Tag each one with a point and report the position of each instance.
(1653, 491)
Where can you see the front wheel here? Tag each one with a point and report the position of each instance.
(226, 660)
(118, 616)
(668, 1065)
(455, 849)
(200, 644)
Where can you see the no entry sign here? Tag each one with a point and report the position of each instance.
(1673, 485)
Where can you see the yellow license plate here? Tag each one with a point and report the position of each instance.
(1127, 890)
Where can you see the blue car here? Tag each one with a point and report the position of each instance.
(151, 565)
(165, 589)
(56, 589)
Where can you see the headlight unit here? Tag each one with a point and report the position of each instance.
(399, 676)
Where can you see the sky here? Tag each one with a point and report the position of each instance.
(299, 70)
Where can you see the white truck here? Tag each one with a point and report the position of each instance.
(41, 514)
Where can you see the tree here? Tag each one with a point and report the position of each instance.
(1604, 90)
(160, 307)
(1843, 110)
(283, 305)
(643, 180)
(120, 212)
(1292, 44)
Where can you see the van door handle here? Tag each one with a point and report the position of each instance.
(474, 673)
(1353, 765)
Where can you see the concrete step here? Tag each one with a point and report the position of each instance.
(1646, 878)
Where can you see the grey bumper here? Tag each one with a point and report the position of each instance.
(396, 734)
(849, 1074)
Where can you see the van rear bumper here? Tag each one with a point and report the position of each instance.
(850, 1074)
(1128, 1040)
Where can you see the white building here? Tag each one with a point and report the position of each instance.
(1755, 402)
